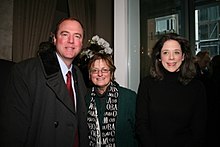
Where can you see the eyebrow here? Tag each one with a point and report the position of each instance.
(69, 32)
(169, 50)
(64, 32)
(98, 68)
(78, 34)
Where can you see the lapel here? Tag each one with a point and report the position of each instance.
(75, 80)
(54, 78)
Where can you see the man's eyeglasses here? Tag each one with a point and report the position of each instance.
(96, 71)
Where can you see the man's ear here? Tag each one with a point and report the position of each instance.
(54, 40)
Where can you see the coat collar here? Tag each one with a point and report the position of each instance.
(54, 77)
(50, 62)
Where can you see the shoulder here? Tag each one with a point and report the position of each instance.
(27, 65)
(5, 63)
(123, 89)
(146, 82)
(25, 72)
(126, 90)
(127, 97)
(147, 79)
(197, 87)
(196, 83)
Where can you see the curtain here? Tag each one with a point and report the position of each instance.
(32, 22)
(84, 10)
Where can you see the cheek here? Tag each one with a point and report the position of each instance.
(78, 43)
(181, 58)
(60, 41)
(163, 63)
(164, 58)
(92, 78)
(108, 78)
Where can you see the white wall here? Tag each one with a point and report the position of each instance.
(127, 43)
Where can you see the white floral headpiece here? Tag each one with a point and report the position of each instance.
(97, 45)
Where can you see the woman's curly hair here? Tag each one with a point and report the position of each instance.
(187, 68)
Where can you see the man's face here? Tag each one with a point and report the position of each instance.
(69, 40)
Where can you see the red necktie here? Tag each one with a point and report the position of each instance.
(70, 90)
(69, 85)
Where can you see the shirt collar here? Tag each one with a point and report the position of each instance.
(64, 68)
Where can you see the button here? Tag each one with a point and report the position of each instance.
(56, 123)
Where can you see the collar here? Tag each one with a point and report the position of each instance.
(50, 62)
(64, 68)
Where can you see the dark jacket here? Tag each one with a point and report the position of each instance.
(38, 111)
(170, 114)
(125, 124)
(5, 66)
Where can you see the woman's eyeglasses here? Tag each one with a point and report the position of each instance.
(96, 71)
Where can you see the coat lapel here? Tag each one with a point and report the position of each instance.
(55, 79)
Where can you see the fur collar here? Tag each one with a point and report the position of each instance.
(50, 61)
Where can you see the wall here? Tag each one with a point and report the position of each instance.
(6, 17)
(127, 43)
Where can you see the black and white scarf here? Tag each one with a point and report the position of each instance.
(103, 134)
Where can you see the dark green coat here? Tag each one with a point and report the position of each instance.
(125, 123)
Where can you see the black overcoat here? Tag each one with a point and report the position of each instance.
(37, 110)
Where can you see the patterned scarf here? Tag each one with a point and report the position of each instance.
(103, 134)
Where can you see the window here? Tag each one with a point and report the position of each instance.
(166, 24)
(207, 29)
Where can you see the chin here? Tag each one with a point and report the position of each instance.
(172, 70)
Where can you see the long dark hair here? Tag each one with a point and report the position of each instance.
(187, 68)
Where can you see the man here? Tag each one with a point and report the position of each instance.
(38, 110)
(202, 63)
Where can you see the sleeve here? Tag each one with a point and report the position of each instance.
(142, 116)
(126, 118)
(15, 110)
(132, 108)
(199, 118)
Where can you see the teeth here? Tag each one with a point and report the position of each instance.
(69, 48)
(100, 79)
(171, 64)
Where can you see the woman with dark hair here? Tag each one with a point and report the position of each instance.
(171, 103)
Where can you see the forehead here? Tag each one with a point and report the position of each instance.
(99, 63)
(71, 25)
(171, 44)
